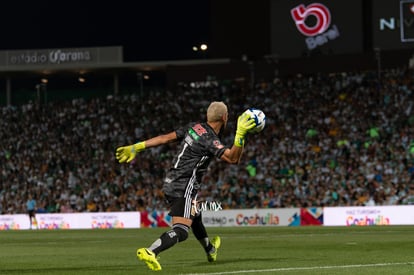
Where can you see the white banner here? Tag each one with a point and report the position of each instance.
(101, 220)
(14, 222)
(368, 215)
(253, 217)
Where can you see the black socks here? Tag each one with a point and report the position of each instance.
(178, 233)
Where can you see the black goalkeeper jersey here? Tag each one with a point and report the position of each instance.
(199, 144)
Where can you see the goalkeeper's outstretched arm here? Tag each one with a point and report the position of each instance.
(162, 139)
(128, 153)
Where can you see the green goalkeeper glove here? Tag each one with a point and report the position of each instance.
(128, 153)
(244, 124)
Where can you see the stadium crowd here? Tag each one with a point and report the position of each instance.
(330, 140)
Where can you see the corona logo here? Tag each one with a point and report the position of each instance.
(320, 12)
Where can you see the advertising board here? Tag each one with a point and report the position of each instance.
(100, 220)
(369, 215)
(300, 28)
(393, 24)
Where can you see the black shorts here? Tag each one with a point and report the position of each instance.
(181, 207)
(31, 213)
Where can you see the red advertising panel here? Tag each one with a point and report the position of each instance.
(300, 28)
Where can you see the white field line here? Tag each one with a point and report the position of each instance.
(301, 268)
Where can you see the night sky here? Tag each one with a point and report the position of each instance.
(147, 30)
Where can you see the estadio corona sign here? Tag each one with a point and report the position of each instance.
(59, 58)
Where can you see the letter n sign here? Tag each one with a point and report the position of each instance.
(407, 20)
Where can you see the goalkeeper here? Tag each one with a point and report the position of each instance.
(200, 142)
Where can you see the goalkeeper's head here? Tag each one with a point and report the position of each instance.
(217, 114)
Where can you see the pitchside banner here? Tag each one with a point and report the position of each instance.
(253, 217)
(101, 220)
(156, 218)
(301, 28)
(369, 215)
(216, 216)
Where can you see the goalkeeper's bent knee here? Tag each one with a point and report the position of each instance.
(181, 230)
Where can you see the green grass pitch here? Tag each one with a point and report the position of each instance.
(252, 250)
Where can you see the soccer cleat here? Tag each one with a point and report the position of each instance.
(149, 258)
(212, 255)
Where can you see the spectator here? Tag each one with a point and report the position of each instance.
(44, 150)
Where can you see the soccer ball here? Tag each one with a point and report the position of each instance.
(259, 117)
